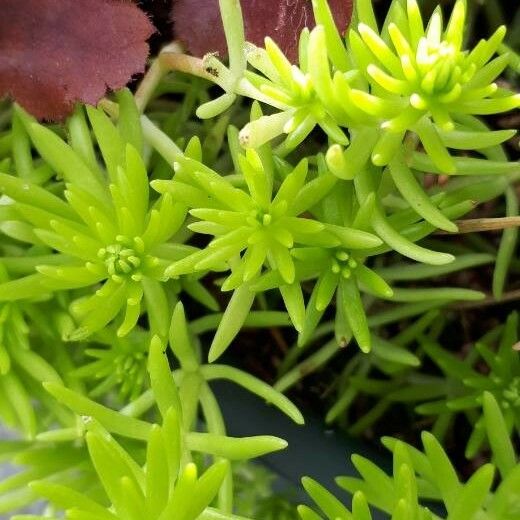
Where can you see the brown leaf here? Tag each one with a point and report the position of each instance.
(54, 53)
(198, 26)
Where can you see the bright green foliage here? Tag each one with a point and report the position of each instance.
(20, 371)
(263, 225)
(391, 360)
(183, 350)
(389, 90)
(105, 231)
(294, 90)
(427, 475)
(396, 494)
(259, 230)
(406, 77)
(421, 79)
(22, 368)
(177, 398)
(260, 235)
(192, 389)
(158, 490)
(47, 459)
(368, 147)
(341, 272)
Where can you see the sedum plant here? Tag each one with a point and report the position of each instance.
(329, 199)
(261, 234)
(158, 490)
(423, 80)
(406, 77)
(115, 364)
(103, 230)
(22, 369)
(469, 383)
(428, 475)
(177, 397)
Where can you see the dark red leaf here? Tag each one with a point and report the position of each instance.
(198, 26)
(54, 53)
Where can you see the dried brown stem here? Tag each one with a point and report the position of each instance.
(483, 224)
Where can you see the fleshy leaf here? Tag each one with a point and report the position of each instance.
(55, 53)
(199, 27)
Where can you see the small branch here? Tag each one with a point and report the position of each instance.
(160, 141)
(175, 61)
(483, 224)
(153, 77)
(213, 70)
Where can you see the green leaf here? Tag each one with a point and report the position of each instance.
(255, 386)
(234, 317)
(444, 474)
(409, 187)
(128, 122)
(207, 488)
(66, 498)
(473, 495)
(113, 421)
(390, 352)
(157, 474)
(327, 502)
(355, 313)
(110, 468)
(109, 141)
(498, 435)
(293, 299)
(180, 342)
(161, 378)
(234, 448)
(64, 160)
(26, 192)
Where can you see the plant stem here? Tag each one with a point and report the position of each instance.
(155, 137)
(219, 74)
(308, 366)
(483, 224)
(175, 61)
(153, 77)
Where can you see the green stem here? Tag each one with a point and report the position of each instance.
(308, 366)
(215, 423)
(484, 224)
(153, 77)
(158, 140)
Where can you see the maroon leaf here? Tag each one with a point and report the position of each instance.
(54, 53)
(198, 26)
